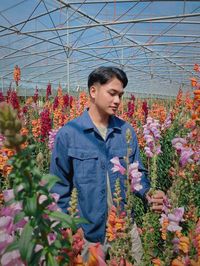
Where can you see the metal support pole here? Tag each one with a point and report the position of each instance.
(2, 84)
(68, 53)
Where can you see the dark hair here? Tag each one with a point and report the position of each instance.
(104, 74)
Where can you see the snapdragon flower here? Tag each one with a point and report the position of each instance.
(133, 173)
(174, 219)
(52, 136)
(152, 136)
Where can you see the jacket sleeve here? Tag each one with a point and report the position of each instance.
(144, 179)
(61, 167)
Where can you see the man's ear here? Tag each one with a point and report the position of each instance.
(93, 90)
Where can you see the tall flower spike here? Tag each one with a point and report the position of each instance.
(73, 212)
(128, 135)
(10, 127)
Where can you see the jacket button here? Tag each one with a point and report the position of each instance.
(103, 191)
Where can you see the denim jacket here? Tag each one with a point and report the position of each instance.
(81, 159)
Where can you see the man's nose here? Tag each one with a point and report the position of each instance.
(117, 99)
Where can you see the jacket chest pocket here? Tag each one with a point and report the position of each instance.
(84, 164)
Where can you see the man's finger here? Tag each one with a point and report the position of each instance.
(158, 200)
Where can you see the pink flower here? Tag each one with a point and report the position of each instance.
(133, 173)
(135, 176)
(11, 258)
(8, 195)
(51, 238)
(117, 166)
(148, 152)
(174, 219)
(52, 136)
(6, 224)
(5, 240)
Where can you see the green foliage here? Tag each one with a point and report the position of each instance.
(165, 159)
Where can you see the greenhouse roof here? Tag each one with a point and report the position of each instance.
(61, 42)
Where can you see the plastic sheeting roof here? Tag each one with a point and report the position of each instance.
(59, 41)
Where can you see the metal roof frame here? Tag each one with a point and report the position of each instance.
(66, 51)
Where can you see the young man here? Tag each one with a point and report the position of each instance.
(83, 150)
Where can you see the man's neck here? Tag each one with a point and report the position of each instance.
(100, 120)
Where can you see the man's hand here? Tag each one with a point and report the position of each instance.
(156, 200)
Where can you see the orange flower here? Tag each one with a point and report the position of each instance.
(157, 262)
(164, 228)
(17, 74)
(96, 255)
(78, 261)
(177, 262)
(24, 131)
(184, 244)
(193, 82)
(196, 68)
(115, 225)
(36, 127)
(60, 97)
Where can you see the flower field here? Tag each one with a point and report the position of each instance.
(33, 231)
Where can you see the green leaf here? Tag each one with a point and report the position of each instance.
(26, 242)
(80, 221)
(51, 260)
(30, 206)
(19, 217)
(50, 180)
(13, 246)
(64, 218)
(36, 257)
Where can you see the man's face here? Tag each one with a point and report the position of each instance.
(107, 97)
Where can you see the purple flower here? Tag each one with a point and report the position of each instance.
(186, 153)
(167, 122)
(152, 136)
(117, 166)
(178, 143)
(148, 152)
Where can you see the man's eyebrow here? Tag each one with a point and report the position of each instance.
(113, 90)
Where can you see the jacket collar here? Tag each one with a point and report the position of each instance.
(87, 123)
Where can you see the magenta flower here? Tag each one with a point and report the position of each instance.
(117, 166)
(51, 238)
